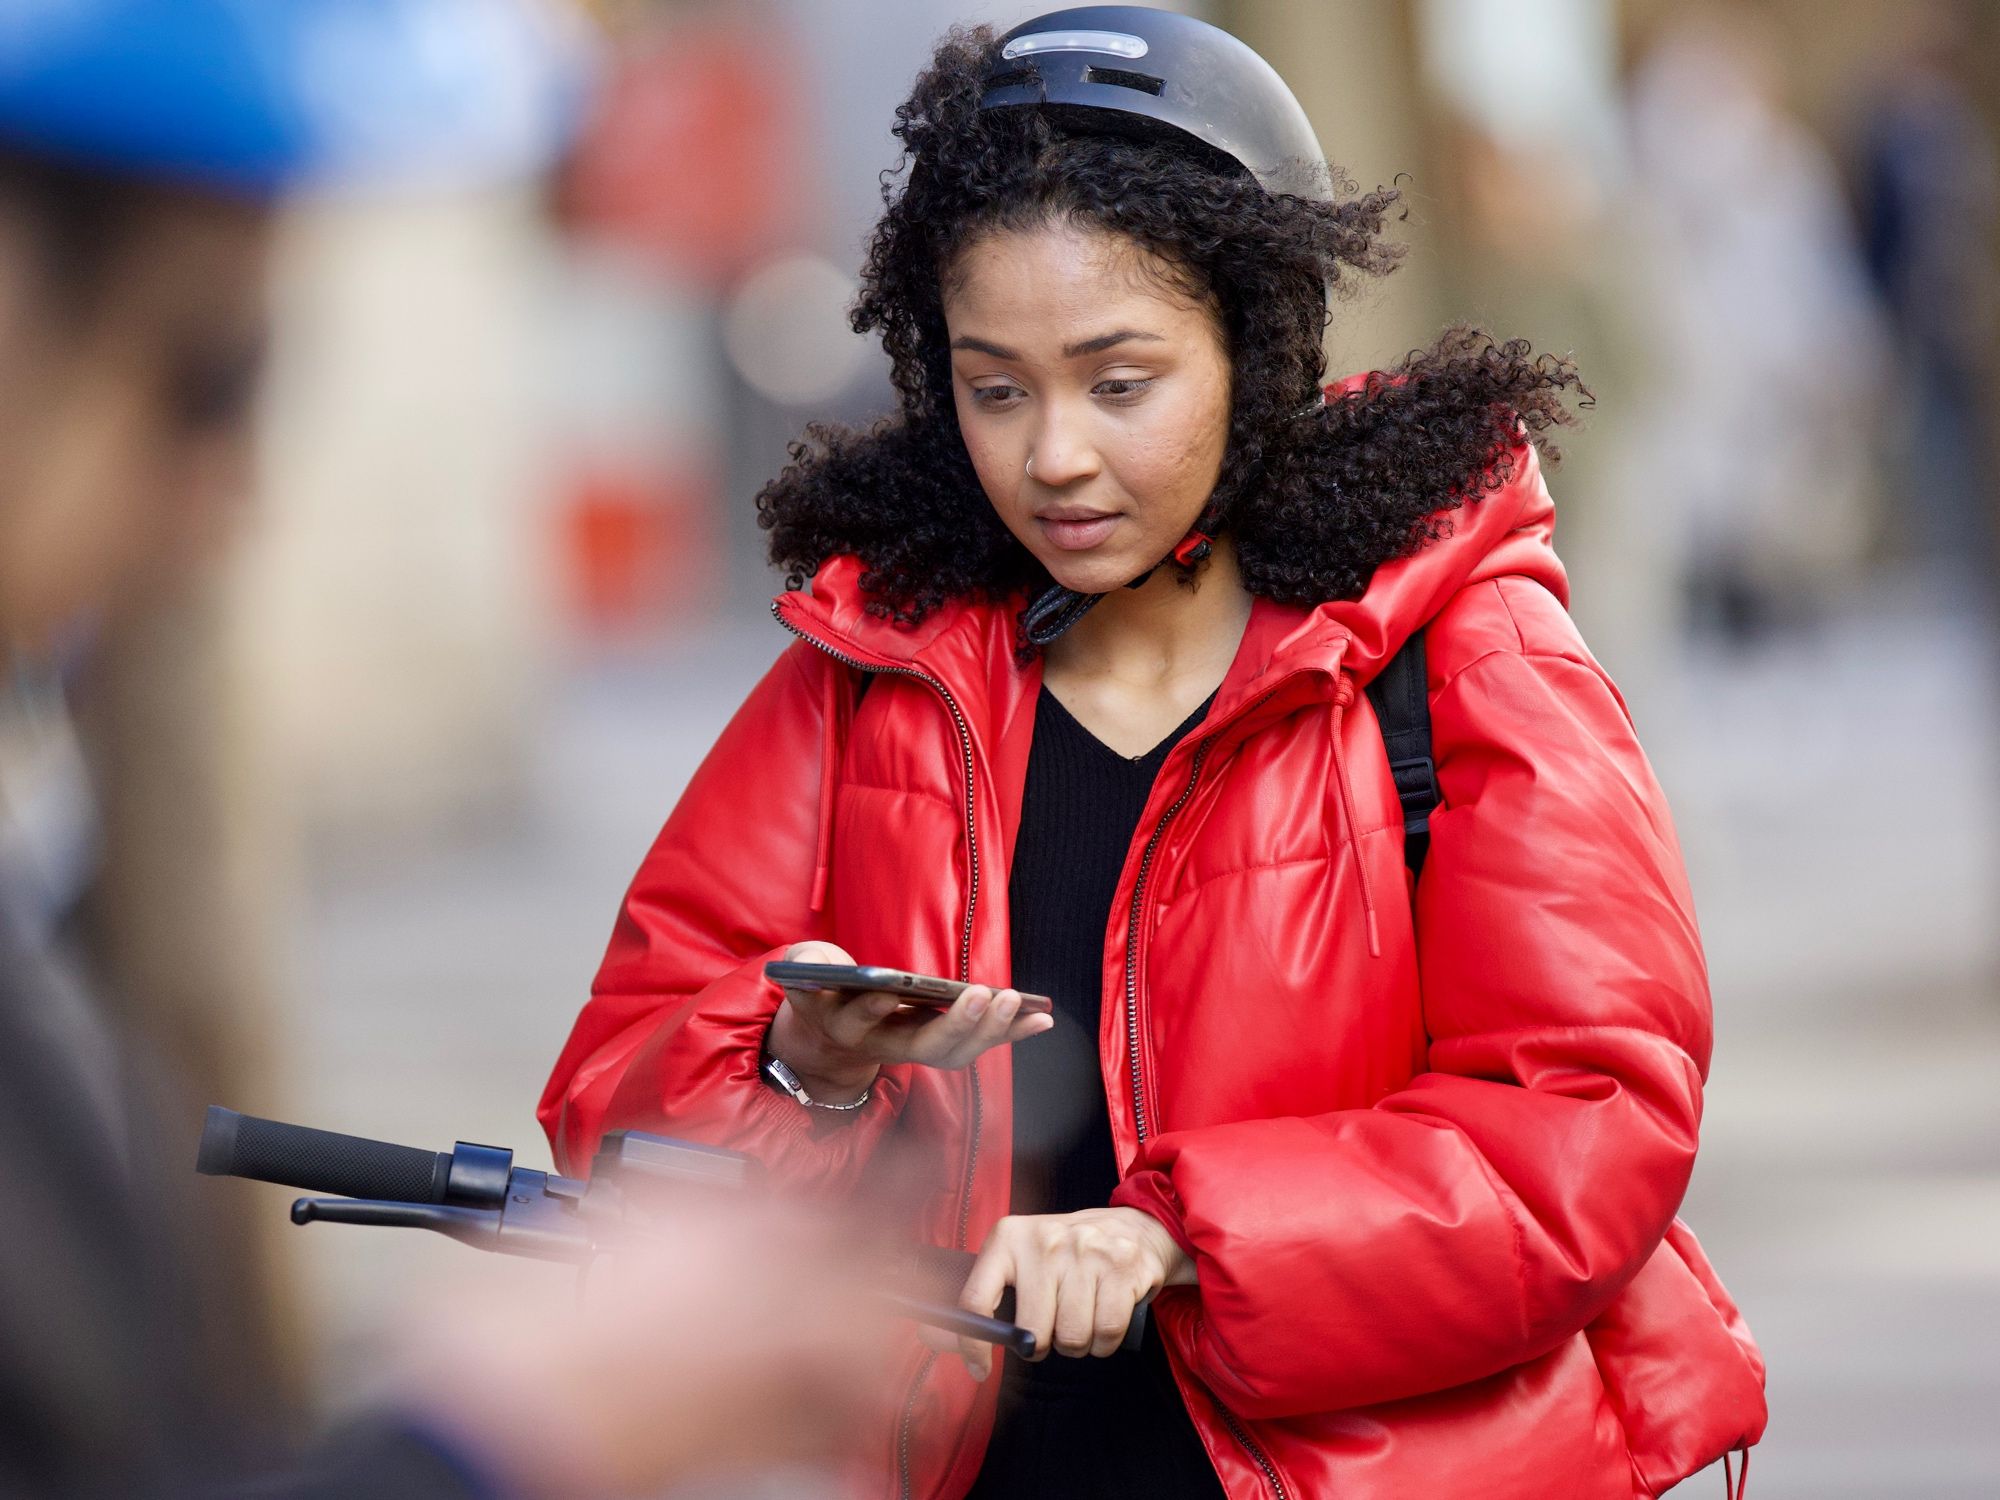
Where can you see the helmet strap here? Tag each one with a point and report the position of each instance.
(1053, 611)
(1195, 546)
(1200, 541)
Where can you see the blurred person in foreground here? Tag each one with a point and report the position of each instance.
(1079, 706)
(142, 151)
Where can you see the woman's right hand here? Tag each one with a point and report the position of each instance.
(837, 1040)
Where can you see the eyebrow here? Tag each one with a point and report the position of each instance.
(1070, 351)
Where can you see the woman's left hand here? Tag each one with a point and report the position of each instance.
(1076, 1278)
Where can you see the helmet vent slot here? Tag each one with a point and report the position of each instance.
(1145, 83)
(1012, 78)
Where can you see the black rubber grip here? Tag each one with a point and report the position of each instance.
(234, 1145)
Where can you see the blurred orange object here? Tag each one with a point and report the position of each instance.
(639, 546)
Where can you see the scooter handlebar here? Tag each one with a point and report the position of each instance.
(320, 1161)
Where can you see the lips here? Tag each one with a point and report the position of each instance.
(1076, 533)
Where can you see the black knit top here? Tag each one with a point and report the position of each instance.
(1079, 1427)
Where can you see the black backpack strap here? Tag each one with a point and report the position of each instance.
(1402, 707)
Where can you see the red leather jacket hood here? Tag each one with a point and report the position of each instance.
(1425, 1145)
(1507, 531)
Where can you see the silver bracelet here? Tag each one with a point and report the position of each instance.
(786, 1081)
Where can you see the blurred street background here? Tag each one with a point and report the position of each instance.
(506, 584)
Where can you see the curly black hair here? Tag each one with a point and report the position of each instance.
(1315, 502)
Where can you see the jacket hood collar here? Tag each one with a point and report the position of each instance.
(1506, 531)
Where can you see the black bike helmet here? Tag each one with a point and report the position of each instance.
(1129, 71)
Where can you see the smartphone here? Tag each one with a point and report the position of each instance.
(915, 989)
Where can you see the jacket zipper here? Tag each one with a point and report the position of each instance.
(908, 1417)
(1236, 1429)
(1139, 901)
(1132, 938)
(903, 1488)
(1263, 1462)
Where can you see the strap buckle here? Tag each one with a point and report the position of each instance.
(1417, 790)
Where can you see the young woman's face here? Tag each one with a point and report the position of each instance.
(1094, 398)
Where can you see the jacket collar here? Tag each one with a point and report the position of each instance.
(968, 645)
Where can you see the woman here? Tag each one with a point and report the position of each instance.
(1077, 707)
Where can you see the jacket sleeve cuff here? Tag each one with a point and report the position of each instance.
(701, 1079)
(884, 1094)
(1152, 1192)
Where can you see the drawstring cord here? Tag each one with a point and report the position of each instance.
(1343, 694)
(1732, 1489)
(829, 750)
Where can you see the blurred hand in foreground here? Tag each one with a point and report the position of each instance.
(742, 1336)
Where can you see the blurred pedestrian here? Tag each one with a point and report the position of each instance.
(1930, 203)
(142, 149)
(1770, 354)
(1079, 708)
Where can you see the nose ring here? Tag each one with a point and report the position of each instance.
(1031, 467)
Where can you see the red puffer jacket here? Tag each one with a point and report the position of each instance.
(1426, 1150)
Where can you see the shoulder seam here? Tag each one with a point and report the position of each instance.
(1523, 655)
(1519, 634)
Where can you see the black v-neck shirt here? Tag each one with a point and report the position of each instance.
(1079, 812)
(1079, 1427)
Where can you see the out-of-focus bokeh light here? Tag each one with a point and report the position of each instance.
(787, 331)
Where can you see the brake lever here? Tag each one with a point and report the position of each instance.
(539, 1224)
(966, 1324)
(531, 1220)
(478, 1227)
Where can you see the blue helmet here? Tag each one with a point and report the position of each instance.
(256, 96)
